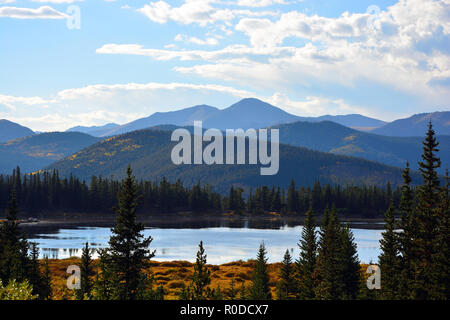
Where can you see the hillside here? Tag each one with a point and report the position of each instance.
(35, 152)
(148, 152)
(416, 125)
(10, 130)
(331, 137)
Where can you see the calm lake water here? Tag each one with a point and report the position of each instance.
(222, 244)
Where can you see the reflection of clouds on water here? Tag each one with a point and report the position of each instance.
(222, 244)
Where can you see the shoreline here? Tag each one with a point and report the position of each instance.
(193, 221)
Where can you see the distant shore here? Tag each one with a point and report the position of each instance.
(188, 220)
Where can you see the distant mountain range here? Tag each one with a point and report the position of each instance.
(96, 131)
(37, 151)
(11, 130)
(148, 152)
(416, 125)
(247, 113)
(331, 137)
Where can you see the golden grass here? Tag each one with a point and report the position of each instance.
(173, 274)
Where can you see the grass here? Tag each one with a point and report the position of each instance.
(173, 274)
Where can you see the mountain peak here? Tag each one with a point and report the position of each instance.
(10, 130)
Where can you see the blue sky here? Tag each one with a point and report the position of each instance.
(128, 59)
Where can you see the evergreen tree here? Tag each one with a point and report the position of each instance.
(86, 273)
(34, 271)
(14, 259)
(351, 268)
(232, 291)
(389, 260)
(243, 292)
(260, 281)
(202, 275)
(441, 263)
(105, 286)
(306, 264)
(424, 243)
(408, 232)
(46, 282)
(292, 199)
(286, 285)
(128, 253)
(329, 268)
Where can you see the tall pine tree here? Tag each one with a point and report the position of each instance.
(389, 259)
(424, 242)
(260, 281)
(128, 253)
(406, 235)
(286, 287)
(202, 275)
(306, 264)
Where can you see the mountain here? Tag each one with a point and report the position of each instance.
(183, 117)
(416, 125)
(247, 113)
(96, 131)
(355, 121)
(149, 153)
(11, 130)
(332, 137)
(37, 151)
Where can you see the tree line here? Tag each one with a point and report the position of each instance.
(46, 192)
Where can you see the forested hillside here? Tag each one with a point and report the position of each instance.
(149, 151)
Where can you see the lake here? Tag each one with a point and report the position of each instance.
(222, 244)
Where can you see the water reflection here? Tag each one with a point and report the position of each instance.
(223, 244)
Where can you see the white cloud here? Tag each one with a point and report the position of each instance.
(207, 42)
(201, 12)
(226, 53)
(259, 3)
(11, 101)
(44, 12)
(57, 1)
(317, 106)
(404, 47)
(7, 1)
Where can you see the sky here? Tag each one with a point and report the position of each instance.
(66, 62)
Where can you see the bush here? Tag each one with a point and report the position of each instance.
(17, 291)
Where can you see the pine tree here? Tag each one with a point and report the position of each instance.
(441, 263)
(86, 273)
(405, 237)
(14, 259)
(306, 264)
(286, 285)
(292, 199)
(232, 291)
(128, 253)
(202, 275)
(329, 267)
(46, 282)
(389, 260)
(351, 268)
(243, 292)
(424, 243)
(34, 271)
(260, 281)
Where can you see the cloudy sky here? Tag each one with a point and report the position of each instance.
(69, 62)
